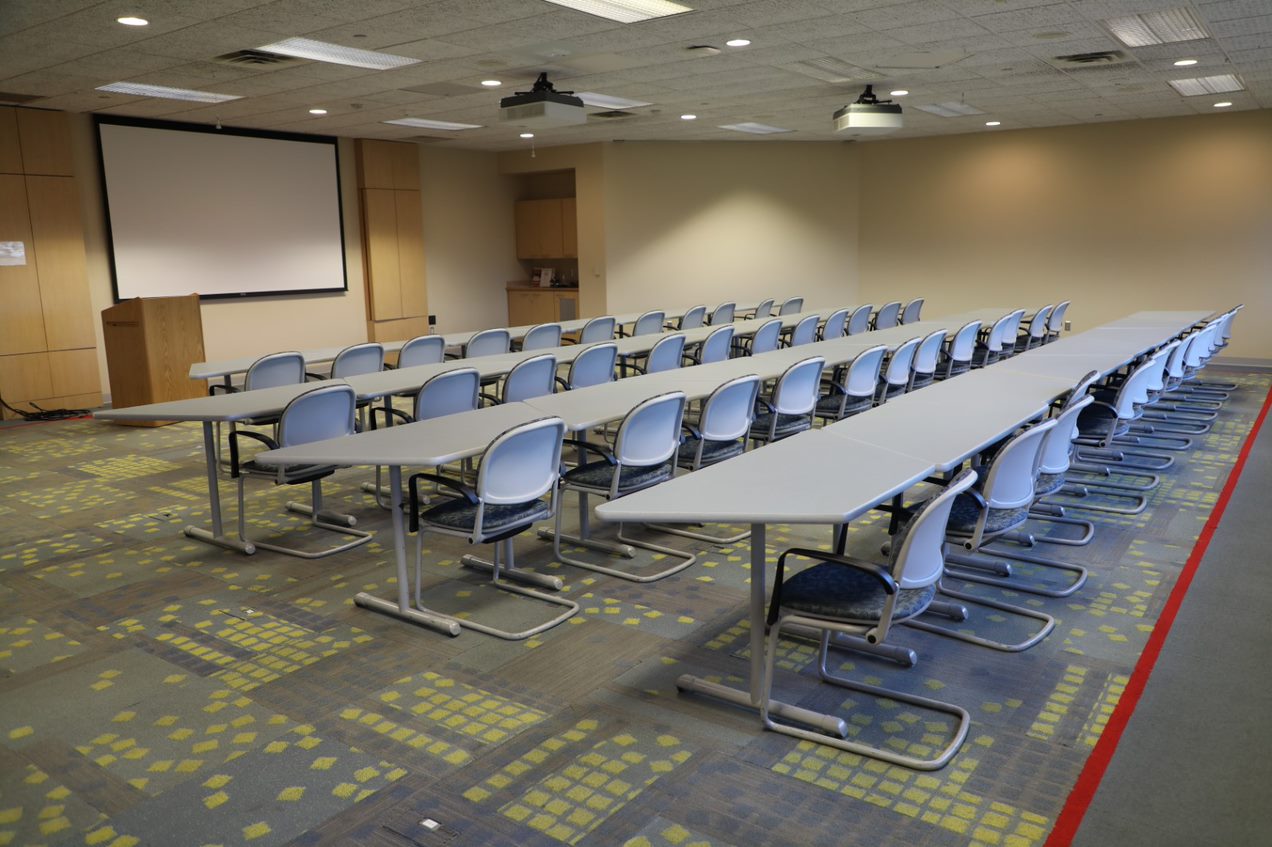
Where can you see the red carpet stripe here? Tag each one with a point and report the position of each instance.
(1084, 789)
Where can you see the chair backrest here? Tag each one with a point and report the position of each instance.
(1082, 389)
(649, 323)
(1226, 330)
(358, 359)
(901, 363)
(860, 320)
(888, 316)
(1013, 327)
(1157, 374)
(448, 393)
(542, 337)
(998, 333)
(963, 344)
(522, 463)
(594, 366)
(1057, 446)
(765, 308)
(1133, 391)
(274, 370)
(805, 332)
(650, 433)
(727, 413)
(791, 306)
(1038, 324)
(928, 353)
(723, 314)
(910, 313)
(1056, 322)
(1177, 362)
(693, 318)
(533, 377)
(767, 337)
(835, 326)
(488, 342)
(666, 354)
(715, 347)
(422, 350)
(321, 413)
(1201, 351)
(796, 391)
(863, 374)
(918, 555)
(598, 329)
(1009, 482)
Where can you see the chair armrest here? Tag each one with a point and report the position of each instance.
(768, 406)
(587, 446)
(879, 572)
(692, 431)
(222, 387)
(565, 386)
(413, 487)
(234, 446)
(313, 377)
(397, 413)
(491, 400)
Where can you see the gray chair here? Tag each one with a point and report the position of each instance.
(598, 329)
(789, 409)
(960, 351)
(593, 366)
(516, 471)
(1055, 324)
(666, 354)
(764, 309)
(791, 306)
(692, 318)
(852, 386)
(836, 326)
(533, 377)
(422, 350)
(488, 342)
(804, 332)
(722, 314)
(649, 323)
(317, 415)
(714, 348)
(859, 321)
(268, 371)
(910, 314)
(888, 316)
(764, 340)
(541, 337)
(1035, 332)
(643, 455)
(857, 602)
(927, 357)
(898, 373)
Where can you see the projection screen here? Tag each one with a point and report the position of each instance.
(221, 213)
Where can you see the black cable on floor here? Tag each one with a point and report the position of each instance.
(45, 414)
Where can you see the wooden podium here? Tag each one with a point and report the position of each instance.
(150, 344)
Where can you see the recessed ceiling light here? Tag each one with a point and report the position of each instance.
(738, 42)
(605, 101)
(317, 111)
(337, 54)
(1223, 104)
(422, 123)
(993, 123)
(950, 109)
(527, 135)
(625, 11)
(491, 83)
(900, 92)
(1149, 28)
(132, 20)
(138, 89)
(1220, 84)
(755, 128)
(1185, 63)
(688, 117)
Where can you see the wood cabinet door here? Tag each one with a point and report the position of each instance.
(569, 228)
(380, 241)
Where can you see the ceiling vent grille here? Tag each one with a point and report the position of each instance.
(10, 97)
(830, 69)
(1098, 59)
(612, 114)
(256, 59)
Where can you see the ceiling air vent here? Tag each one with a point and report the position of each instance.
(611, 114)
(1100, 58)
(256, 59)
(10, 97)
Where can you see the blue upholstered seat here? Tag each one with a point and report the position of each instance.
(966, 511)
(462, 515)
(786, 424)
(600, 475)
(712, 452)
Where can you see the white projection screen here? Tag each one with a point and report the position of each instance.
(220, 213)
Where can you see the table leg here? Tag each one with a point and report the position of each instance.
(402, 608)
(751, 699)
(217, 536)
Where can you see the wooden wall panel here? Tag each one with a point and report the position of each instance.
(380, 249)
(25, 377)
(406, 166)
(21, 315)
(569, 227)
(74, 372)
(375, 164)
(398, 330)
(46, 142)
(58, 236)
(410, 239)
(10, 148)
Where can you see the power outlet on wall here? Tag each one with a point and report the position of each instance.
(432, 324)
(1068, 325)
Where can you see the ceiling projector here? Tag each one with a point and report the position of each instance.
(542, 106)
(868, 116)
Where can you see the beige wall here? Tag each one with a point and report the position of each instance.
(233, 328)
(469, 240)
(702, 223)
(1172, 213)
